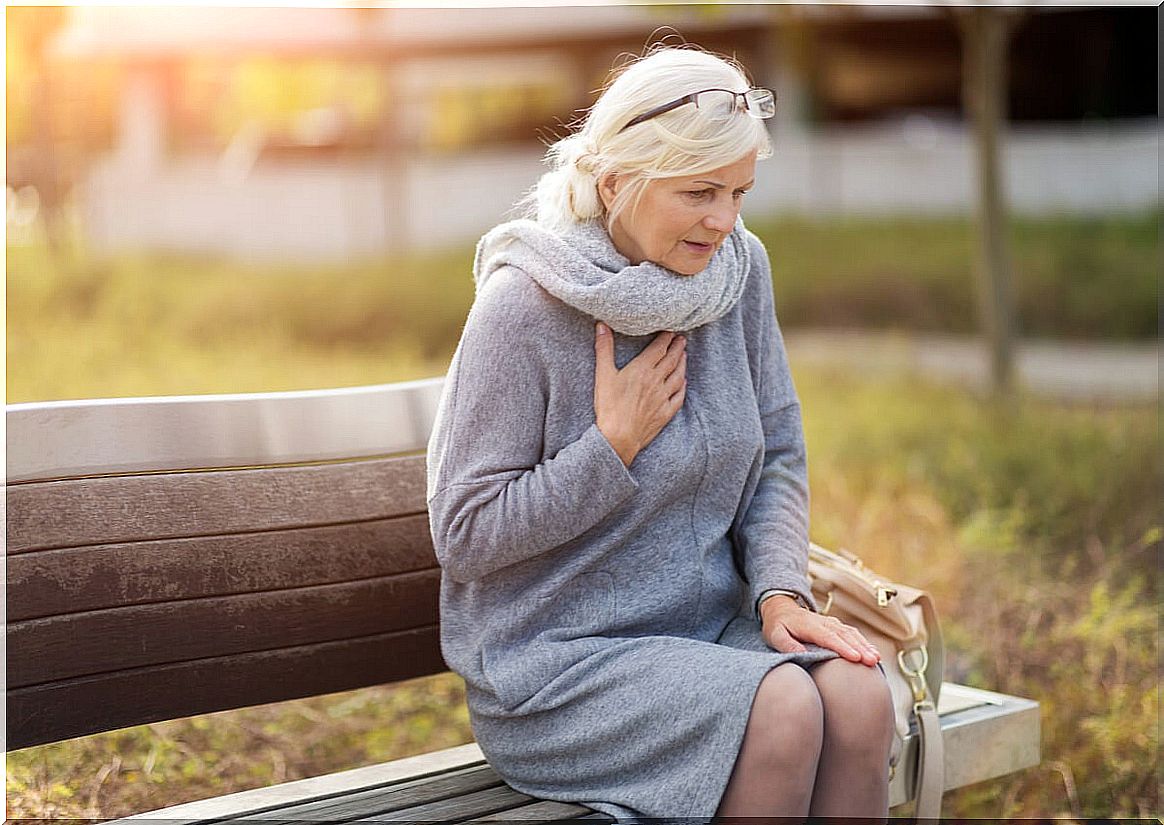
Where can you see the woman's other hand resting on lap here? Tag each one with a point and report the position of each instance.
(786, 625)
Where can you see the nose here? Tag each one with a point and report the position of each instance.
(722, 216)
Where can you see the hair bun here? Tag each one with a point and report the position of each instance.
(586, 163)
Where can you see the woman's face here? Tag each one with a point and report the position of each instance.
(680, 222)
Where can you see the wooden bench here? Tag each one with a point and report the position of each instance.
(175, 556)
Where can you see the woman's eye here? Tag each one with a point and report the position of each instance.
(739, 193)
(698, 194)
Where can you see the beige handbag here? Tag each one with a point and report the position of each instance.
(902, 623)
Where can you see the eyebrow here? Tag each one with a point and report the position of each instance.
(718, 185)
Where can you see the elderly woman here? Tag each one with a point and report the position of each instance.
(617, 486)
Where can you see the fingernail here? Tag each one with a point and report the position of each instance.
(601, 327)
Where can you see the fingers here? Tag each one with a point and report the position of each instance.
(833, 634)
(780, 639)
(603, 350)
(862, 651)
(665, 345)
(848, 641)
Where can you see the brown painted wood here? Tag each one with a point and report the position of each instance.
(78, 707)
(56, 582)
(81, 644)
(74, 513)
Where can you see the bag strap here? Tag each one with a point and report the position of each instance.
(930, 762)
(929, 780)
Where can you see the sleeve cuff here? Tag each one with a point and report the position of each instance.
(610, 466)
(802, 596)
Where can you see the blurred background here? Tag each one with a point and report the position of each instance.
(217, 199)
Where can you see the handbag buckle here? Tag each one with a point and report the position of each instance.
(884, 594)
(915, 675)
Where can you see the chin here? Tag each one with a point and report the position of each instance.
(689, 267)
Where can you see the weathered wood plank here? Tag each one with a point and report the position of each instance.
(81, 512)
(77, 707)
(365, 802)
(316, 788)
(455, 808)
(81, 644)
(261, 802)
(67, 439)
(541, 811)
(55, 582)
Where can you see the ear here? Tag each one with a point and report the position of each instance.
(608, 186)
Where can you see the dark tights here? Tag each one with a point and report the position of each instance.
(817, 744)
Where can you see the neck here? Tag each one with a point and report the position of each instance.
(625, 246)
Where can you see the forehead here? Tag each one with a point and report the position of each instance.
(734, 174)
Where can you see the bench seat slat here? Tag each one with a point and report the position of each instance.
(543, 811)
(81, 644)
(456, 808)
(381, 799)
(78, 707)
(57, 582)
(79, 512)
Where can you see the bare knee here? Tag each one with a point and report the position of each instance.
(858, 706)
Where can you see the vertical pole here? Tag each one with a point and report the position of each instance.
(985, 32)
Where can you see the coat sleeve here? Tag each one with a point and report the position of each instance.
(494, 499)
(771, 533)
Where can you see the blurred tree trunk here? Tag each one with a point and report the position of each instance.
(986, 32)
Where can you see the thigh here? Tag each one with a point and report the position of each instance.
(651, 725)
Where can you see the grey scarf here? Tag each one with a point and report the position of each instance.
(582, 268)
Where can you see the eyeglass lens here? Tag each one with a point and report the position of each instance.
(760, 102)
(720, 105)
(717, 104)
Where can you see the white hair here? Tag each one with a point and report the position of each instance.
(677, 143)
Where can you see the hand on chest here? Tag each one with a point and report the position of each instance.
(717, 426)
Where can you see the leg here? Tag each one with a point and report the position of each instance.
(774, 771)
(852, 779)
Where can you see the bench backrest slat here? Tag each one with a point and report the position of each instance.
(91, 642)
(96, 577)
(63, 709)
(135, 598)
(77, 512)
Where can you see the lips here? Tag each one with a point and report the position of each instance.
(701, 248)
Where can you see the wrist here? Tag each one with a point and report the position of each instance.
(776, 604)
(622, 446)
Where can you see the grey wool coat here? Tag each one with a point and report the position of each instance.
(603, 617)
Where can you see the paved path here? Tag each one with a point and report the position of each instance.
(1075, 371)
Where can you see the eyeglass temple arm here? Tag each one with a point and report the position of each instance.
(658, 110)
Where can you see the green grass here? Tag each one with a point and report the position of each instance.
(1073, 278)
(1036, 525)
